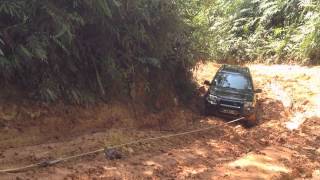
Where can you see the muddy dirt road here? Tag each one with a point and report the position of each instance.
(285, 145)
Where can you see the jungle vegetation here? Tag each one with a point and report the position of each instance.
(83, 50)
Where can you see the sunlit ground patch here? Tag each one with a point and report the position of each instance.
(192, 170)
(259, 162)
(263, 165)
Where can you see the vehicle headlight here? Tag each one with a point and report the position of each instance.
(212, 99)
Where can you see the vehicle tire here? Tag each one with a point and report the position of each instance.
(253, 121)
(206, 111)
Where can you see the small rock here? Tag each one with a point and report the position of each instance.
(112, 154)
(148, 145)
(130, 150)
(281, 140)
(232, 137)
(305, 102)
(161, 150)
(149, 163)
(318, 151)
(266, 143)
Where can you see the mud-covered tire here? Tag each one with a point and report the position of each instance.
(252, 122)
(206, 110)
(256, 119)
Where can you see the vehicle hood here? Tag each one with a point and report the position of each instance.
(232, 94)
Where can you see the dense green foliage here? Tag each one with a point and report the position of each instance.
(272, 31)
(77, 49)
(82, 49)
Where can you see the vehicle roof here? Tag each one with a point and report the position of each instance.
(235, 69)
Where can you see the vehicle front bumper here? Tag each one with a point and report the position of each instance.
(217, 109)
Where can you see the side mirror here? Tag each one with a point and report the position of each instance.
(258, 91)
(206, 82)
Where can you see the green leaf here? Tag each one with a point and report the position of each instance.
(24, 52)
(61, 45)
(104, 8)
(116, 2)
(40, 53)
(4, 61)
(2, 42)
(62, 31)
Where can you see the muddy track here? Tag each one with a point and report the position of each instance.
(285, 145)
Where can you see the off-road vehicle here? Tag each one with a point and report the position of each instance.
(231, 94)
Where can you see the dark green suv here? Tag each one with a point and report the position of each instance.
(231, 94)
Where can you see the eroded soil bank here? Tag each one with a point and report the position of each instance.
(285, 145)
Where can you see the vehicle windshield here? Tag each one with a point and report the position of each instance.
(233, 81)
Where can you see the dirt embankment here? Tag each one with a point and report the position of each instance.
(285, 145)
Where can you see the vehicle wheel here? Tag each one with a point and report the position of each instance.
(254, 119)
(206, 111)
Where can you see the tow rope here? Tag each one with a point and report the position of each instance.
(64, 159)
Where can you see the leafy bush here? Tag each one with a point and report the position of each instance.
(82, 49)
(270, 30)
(79, 50)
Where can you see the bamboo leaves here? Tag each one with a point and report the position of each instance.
(13, 8)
